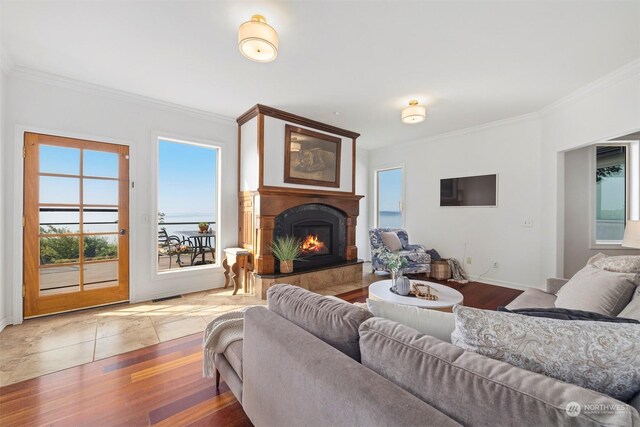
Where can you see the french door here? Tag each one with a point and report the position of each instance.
(76, 224)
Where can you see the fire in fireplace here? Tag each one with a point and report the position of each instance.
(321, 230)
(312, 245)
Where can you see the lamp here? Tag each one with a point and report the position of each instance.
(631, 237)
(414, 113)
(257, 40)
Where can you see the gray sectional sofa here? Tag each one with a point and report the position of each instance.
(314, 361)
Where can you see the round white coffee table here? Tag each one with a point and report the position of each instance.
(447, 297)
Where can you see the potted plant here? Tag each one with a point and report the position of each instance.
(395, 263)
(287, 250)
(203, 226)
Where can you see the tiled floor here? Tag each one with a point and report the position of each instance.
(49, 344)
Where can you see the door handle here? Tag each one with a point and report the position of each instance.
(123, 232)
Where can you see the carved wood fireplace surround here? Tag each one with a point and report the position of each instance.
(268, 206)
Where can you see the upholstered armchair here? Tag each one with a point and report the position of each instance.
(418, 260)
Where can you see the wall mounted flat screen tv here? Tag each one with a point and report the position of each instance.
(479, 190)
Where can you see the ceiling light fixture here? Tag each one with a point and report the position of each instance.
(257, 40)
(414, 113)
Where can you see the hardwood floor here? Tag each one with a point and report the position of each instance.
(160, 385)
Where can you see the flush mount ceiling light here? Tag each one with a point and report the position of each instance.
(257, 40)
(414, 113)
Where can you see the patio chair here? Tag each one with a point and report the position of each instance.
(169, 246)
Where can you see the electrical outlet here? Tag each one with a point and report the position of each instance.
(468, 260)
(495, 264)
(527, 223)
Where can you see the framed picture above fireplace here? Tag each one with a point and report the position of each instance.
(311, 158)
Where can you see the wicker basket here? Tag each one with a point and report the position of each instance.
(440, 270)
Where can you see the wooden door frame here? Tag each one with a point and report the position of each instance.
(17, 315)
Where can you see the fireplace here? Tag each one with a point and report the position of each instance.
(321, 230)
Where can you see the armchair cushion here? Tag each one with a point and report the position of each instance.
(391, 241)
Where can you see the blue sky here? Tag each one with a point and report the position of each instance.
(187, 179)
(390, 189)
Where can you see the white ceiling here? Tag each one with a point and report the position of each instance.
(470, 62)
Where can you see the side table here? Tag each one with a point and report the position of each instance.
(234, 260)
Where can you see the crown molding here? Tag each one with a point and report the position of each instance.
(464, 131)
(5, 61)
(622, 73)
(26, 73)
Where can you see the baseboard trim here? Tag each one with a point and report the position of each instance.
(501, 283)
(5, 322)
(148, 297)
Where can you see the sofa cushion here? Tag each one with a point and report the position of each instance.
(600, 291)
(475, 390)
(533, 298)
(632, 310)
(438, 324)
(567, 314)
(391, 241)
(331, 321)
(233, 354)
(604, 357)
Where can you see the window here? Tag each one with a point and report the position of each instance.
(611, 193)
(389, 197)
(187, 205)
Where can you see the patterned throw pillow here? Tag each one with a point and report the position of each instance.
(619, 264)
(604, 357)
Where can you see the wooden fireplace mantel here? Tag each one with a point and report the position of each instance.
(259, 210)
(259, 207)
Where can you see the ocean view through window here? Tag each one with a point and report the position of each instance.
(389, 198)
(187, 204)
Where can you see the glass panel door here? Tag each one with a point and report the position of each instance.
(76, 242)
(389, 198)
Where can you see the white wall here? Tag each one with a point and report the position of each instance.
(274, 134)
(4, 320)
(362, 184)
(43, 104)
(249, 155)
(510, 149)
(607, 108)
(529, 156)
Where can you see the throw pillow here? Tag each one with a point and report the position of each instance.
(604, 357)
(391, 241)
(632, 310)
(435, 323)
(600, 291)
(619, 264)
(435, 256)
(567, 314)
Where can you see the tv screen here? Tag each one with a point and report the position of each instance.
(479, 190)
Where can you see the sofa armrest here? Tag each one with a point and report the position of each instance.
(554, 285)
(421, 248)
(290, 377)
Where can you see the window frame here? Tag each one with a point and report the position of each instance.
(376, 193)
(594, 243)
(157, 138)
